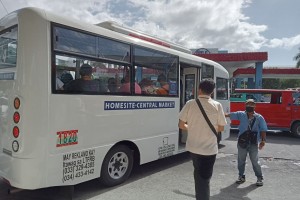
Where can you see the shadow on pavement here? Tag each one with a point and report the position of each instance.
(94, 188)
(231, 192)
(183, 193)
(234, 191)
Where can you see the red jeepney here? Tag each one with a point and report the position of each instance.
(280, 108)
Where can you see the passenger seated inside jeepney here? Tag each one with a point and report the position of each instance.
(164, 86)
(147, 86)
(66, 77)
(125, 87)
(112, 85)
(85, 83)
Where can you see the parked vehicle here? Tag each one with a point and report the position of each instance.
(280, 108)
(62, 136)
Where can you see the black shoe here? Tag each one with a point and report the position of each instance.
(241, 180)
(259, 181)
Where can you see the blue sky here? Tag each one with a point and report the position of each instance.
(233, 25)
(283, 33)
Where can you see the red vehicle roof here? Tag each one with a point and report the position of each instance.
(262, 90)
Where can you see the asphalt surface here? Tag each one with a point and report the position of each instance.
(172, 178)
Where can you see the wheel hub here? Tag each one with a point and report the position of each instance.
(117, 164)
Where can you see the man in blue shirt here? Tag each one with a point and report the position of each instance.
(251, 137)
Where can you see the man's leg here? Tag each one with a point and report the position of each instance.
(253, 154)
(242, 155)
(203, 170)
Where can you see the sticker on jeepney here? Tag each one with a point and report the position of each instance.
(66, 138)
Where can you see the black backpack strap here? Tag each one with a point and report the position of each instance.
(206, 118)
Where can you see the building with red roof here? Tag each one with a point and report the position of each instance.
(247, 65)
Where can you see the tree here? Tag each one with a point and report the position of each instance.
(271, 83)
(289, 83)
(276, 83)
(297, 58)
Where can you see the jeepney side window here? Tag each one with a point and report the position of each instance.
(275, 98)
(113, 50)
(222, 89)
(8, 53)
(74, 41)
(296, 99)
(156, 72)
(106, 77)
(207, 71)
(107, 64)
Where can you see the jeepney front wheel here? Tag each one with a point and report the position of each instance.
(296, 129)
(117, 166)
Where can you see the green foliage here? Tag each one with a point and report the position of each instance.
(270, 83)
(280, 83)
(297, 59)
(290, 83)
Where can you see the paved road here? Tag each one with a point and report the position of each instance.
(172, 178)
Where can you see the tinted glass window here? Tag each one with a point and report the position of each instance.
(113, 50)
(190, 81)
(8, 53)
(86, 44)
(156, 72)
(112, 70)
(257, 97)
(74, 41)
(207, 71)
(79, 75)
(222, 89)
(296, 98)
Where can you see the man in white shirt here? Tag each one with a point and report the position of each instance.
(201, 140)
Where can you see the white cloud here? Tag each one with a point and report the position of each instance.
(287, 43)
(194, 24)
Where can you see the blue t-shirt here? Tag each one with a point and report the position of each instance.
(259, 125)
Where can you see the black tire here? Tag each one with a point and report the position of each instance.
(296, 129)
(117, 166)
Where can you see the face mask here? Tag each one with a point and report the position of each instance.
(249, 109)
